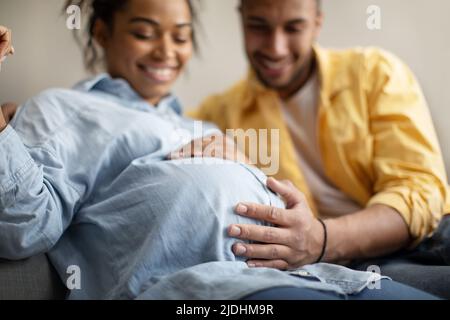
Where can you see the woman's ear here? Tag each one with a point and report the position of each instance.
(100, 33)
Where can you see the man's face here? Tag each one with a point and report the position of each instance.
(279, 35)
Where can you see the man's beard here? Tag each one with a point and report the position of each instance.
(297, 80)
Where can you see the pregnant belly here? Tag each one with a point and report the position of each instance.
(158, 218)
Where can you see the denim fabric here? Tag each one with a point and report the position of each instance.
(83, 176)
(389, 290)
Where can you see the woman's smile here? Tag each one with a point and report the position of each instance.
(160, 74)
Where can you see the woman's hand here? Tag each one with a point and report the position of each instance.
(214, 146)
(6, 47)
(296, 239)
(9, 110)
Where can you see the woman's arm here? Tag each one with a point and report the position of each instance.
(6, 47)
(37, 202)
(38, 196)
(8, 111)
(3, 122)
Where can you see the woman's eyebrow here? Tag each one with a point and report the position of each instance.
(144, 20)
(184, 25)
(297, 21)
(156, 23)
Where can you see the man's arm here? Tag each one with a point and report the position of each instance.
(298, 237)
(379, 229)
(408, 181)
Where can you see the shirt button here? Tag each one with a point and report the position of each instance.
(303, 273)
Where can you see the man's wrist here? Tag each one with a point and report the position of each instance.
(324, 243)
(335, 249)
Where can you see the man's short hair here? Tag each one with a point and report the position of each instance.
(319, 4)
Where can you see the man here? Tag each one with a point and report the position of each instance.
(356, 138)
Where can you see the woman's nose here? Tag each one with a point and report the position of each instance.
(165, 48)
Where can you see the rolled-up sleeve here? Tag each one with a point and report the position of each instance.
(408, 165)
(34, 209)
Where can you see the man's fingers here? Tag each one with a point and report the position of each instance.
(258, 233)
(274, 215)
(274, 264)
(287, 190)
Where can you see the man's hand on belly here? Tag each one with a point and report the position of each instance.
(297, 238)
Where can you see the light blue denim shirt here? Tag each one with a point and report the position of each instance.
(83, 177)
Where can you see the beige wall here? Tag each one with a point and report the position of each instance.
(415, 30)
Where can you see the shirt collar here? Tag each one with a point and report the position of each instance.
(121, 89)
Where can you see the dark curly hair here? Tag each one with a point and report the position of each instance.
(105, 10)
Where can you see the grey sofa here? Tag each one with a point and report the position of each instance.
(30, 279)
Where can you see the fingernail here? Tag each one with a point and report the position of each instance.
(235, 231)
(241, 208)
(240, 249)
(251, 265)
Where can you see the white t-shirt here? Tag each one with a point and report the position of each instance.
(300, 113)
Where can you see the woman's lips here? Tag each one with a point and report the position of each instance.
(161, 74)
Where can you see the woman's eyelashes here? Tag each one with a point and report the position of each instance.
(143, 36)
(180, 38)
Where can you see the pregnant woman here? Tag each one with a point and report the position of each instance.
(84, 176)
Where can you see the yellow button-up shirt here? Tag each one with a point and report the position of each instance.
(376, 136)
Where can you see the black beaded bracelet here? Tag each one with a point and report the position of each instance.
(325, 236)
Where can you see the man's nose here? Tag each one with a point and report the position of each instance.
(278, 45)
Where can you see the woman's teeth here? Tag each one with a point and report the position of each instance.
(160, 73)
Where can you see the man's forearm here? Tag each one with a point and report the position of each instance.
(372, 232)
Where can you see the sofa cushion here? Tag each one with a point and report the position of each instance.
(30, 279)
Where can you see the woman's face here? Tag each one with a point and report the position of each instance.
(149, 45)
